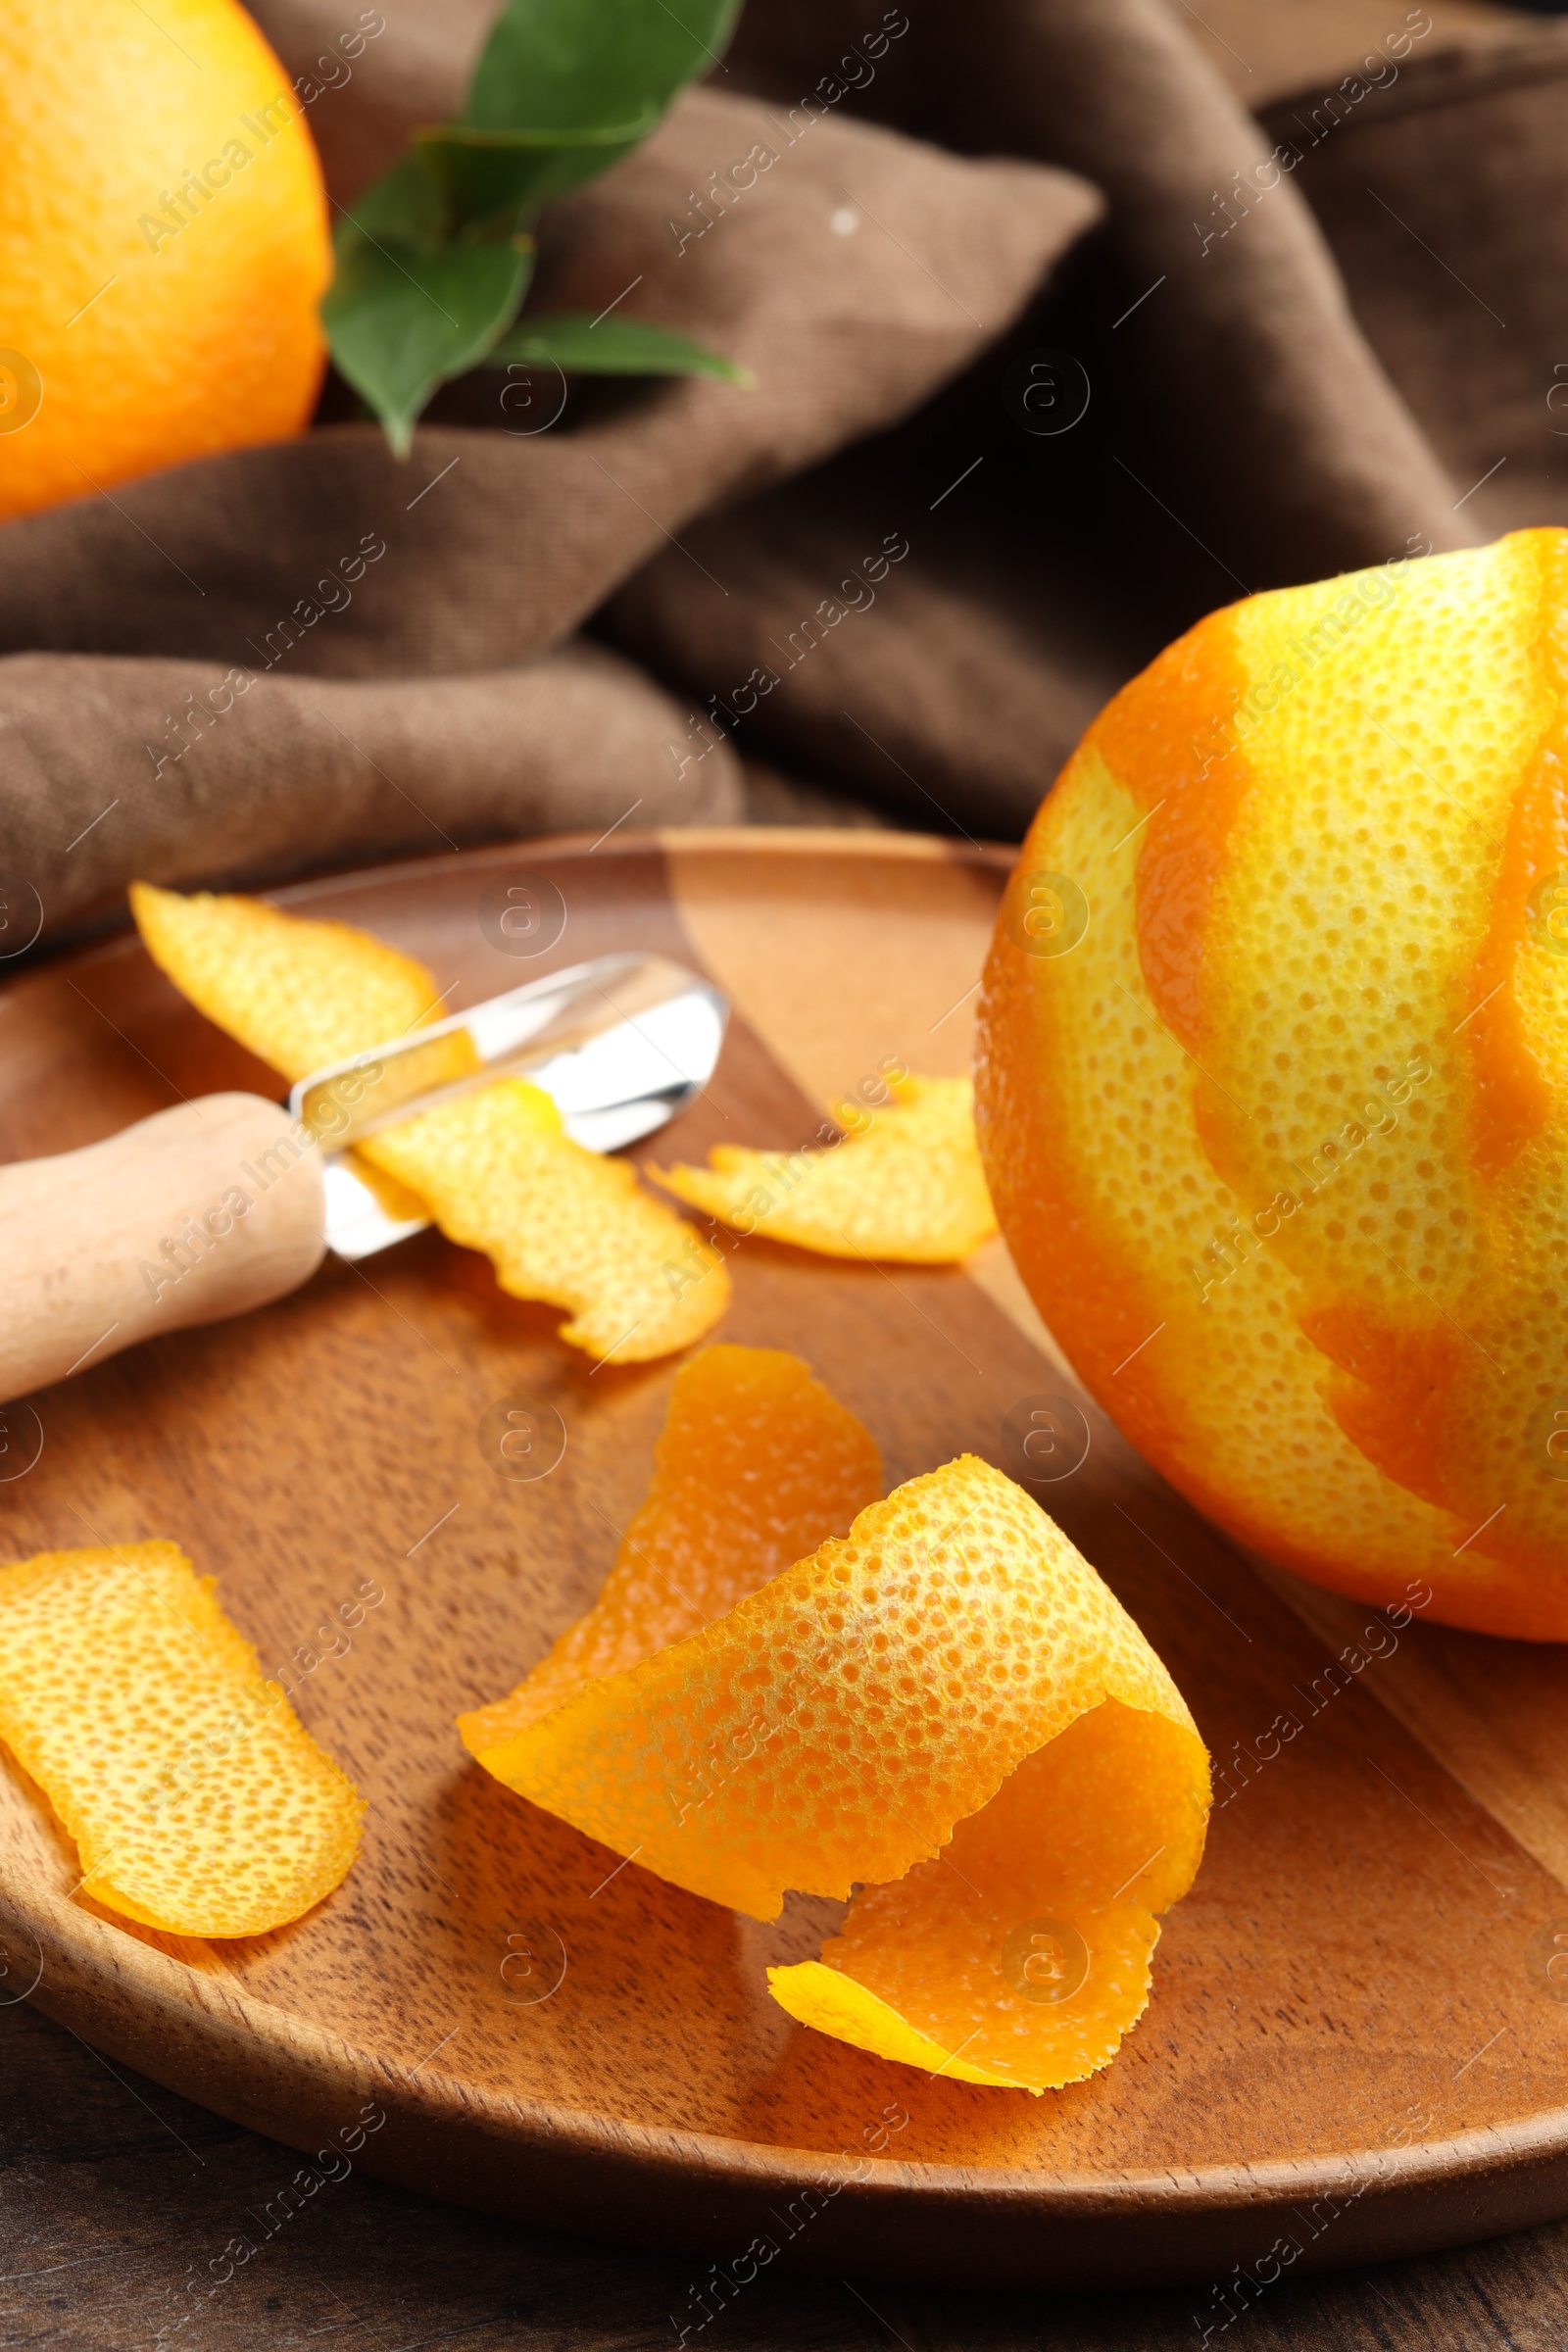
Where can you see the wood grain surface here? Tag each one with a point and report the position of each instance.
(1354, 2047)
(117, 2197)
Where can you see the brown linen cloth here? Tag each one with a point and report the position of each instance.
(866, 570)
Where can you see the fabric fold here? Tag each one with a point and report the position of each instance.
(1290, 339)
(225, 774)
(489, 546)
(436, 582)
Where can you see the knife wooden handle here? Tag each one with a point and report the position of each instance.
(193, 1214)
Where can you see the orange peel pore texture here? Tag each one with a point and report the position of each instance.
(165, 240)
(493, 1167)
(198, 1801)
(944, 1707)
(756, 1465)
(1279, 1145)
(904, 1182)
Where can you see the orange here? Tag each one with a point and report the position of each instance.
(163, 243)
(1272, 1087)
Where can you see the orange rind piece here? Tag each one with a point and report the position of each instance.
(197, 1800)
(494, 1167)
(946, 1709)
(299, 992)
(756, 1465)
(497, 1171)
(903, 1181)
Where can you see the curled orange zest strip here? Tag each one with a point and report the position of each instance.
(493, 1167)
(944, 1707)
(903, 1181)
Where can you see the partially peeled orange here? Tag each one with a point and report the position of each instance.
(1272, 1087)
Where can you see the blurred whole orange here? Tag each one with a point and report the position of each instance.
(1272, 1085)
(163, 243)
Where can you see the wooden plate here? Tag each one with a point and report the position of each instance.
(1356, 2044)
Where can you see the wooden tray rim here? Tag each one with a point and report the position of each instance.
(341, 2070)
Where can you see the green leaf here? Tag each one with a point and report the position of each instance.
(401, 319)
(405, 205)
(559, 65)
(492, 182)
(432, 264)
(614, 347)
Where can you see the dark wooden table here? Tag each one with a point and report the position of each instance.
(114, 2192)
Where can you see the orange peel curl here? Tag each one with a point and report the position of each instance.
(903, 1181)
(494, 1167)
(197, 1800)
(946, 1709)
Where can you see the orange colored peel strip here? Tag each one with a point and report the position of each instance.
(494, 1167)
(1513, 1092)
(756, 1465)
(198, 1801)
(946, 1707)
(904, 1182)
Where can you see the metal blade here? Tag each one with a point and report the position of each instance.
(621, 1044)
